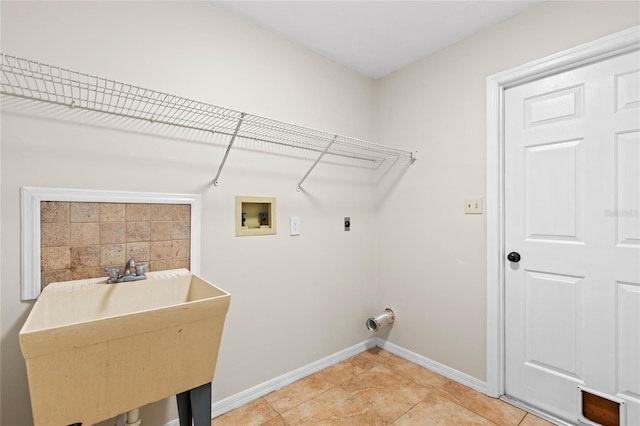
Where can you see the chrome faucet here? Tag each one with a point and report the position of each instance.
(132, 272)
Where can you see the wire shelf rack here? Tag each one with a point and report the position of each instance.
(34, 80)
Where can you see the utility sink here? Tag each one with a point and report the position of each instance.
(94, 350)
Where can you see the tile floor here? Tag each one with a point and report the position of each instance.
(377, 388)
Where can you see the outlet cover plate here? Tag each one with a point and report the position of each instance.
(473, 205)
(294, 225)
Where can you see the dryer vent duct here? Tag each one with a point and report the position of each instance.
(380, 320)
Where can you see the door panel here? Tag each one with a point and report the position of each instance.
(551, 321)
(628, 90)
(553, 107)
(552, 214)
(628, 341)
(628, 188)
(572, 211)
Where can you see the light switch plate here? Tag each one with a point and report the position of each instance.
(294, 225)
(473, 205)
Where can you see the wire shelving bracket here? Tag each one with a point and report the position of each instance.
(34, 80)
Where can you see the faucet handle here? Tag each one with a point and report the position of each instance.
(140, 269)
(112, 271)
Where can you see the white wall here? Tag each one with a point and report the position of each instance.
(432, 266)
(294, 299)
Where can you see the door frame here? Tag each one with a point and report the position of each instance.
(598, 50)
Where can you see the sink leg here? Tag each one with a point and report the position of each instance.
(184, 408)
(201, 405)
(195, 404)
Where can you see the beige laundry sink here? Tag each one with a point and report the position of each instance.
(95, 350)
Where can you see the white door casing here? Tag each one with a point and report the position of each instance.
(616, 44)
(572, 211)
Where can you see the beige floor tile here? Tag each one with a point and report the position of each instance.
(531, 420)
(493, 409)
(377, 388)
(297, 393)
(255, 413)
(378, 376)
(376, 354)
(336, 406)
(418, 374)
(391, 402)
(347, 369)
(385, 393)
(435, 410)
(276, 421)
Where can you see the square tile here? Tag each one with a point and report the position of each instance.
(54, 212)
(346, 369)
(84, 212)
(49, 277)
(385, 393)
(52, 258)
(180, 263)
(297, 393)
(491, 408)
(138, 231)
(335, 406)
(113, 232)
(181, 230)
(112, 255)
(255, 413)
(181, 213)
(84, 234)
(112, 212)
(139, 252)
(378, 376)
(439, 411)
(161, 212)
(85, 257)
(160, 265)
(137, 212)
(161, 250)
(376, 354)
(54, 234)
(418, 374)
(90, 272)
(181, 249)
(161, 231)
(276, 421)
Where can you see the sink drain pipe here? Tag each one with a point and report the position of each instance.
(131, 418)
(380, 320)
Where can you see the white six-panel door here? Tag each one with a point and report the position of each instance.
(572, 212)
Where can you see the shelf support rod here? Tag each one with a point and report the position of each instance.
(226, 154)
(315, 163)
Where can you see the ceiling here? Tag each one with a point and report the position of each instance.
(376, 38)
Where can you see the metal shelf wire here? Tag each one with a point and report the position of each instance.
(33, 80)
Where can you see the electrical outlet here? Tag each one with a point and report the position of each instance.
(473, 205)
(294, 226)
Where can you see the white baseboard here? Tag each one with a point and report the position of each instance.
(436, 367)
(238, 400)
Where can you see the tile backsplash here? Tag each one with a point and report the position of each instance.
(79, 239)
